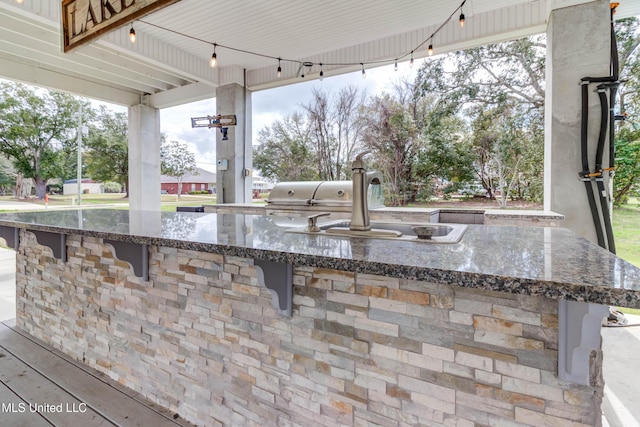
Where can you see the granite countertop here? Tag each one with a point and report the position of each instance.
(499, 213)
(551, 262)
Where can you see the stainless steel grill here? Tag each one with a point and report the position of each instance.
(330, 194)
(293, 193)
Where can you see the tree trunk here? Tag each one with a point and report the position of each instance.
(41, 187)
(179, 188)
(19, 185)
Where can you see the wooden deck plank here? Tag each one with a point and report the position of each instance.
(94, 388)
(11, 324)
(44, 397)
(15, 411)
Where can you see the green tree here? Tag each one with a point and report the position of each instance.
(626, 180)
(445, 153)
(499, 90)
(108, 148)
(176, 160)
(627, 177)
(628, 36)
(284, 152)
(34, 128)
(391, 134)
(7, 176)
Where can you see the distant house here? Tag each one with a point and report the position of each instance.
(87, 185)
(261, 186)
(203, 180)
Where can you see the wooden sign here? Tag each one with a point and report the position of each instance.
(84, 20)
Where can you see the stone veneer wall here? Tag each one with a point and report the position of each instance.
(202, 339)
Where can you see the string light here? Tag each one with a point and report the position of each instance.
(213, 63)
(214, 59)
(132, 34)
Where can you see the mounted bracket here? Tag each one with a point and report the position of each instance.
(219, 121)
(11, 236)
(135, 254)
(278, 278)
(57, 242)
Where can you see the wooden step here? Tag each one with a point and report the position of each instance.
(37, 374)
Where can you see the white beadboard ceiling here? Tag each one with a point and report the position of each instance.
(170, 65)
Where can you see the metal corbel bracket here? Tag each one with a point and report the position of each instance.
(578, 336)
(136, 254)
(11, 236)
(57, 242)
(278, 278)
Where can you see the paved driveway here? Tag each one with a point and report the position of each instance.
(621, 366)
(10, 205)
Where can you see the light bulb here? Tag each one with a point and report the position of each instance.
(132, 35)
(395, 67)
(213, 62)
(462, 19)
(279, 69)
(430, 50)
(411, 61)
(321, 73)
(364, 74)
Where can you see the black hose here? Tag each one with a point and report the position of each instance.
(615, 64)
(604, 119)
(585, 174)
(613, 92)
(607, 117)
(604, 200)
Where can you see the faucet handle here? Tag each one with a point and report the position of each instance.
(359, 163)
(313, 222)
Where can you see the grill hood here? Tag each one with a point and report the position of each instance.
(323, 193)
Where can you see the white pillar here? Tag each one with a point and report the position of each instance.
(234, 184)
(578, 45)
(144, 158)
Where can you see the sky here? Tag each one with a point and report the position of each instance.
(268, 106)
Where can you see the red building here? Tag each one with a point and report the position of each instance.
(202, 180)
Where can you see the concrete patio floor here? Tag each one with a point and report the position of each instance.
(621, 363)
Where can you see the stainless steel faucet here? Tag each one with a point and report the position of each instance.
(360, 210)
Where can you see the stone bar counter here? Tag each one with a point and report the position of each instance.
(230, 320)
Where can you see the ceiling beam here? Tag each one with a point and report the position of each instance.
(182, 95)
(32, 73)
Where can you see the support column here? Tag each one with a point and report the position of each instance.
(144, 158)
(234, 155)
(578, 45)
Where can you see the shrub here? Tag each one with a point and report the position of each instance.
(111, 187)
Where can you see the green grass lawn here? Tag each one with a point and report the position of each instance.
(626, 230)
(118, 200)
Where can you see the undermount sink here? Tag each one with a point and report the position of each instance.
(418, 232)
